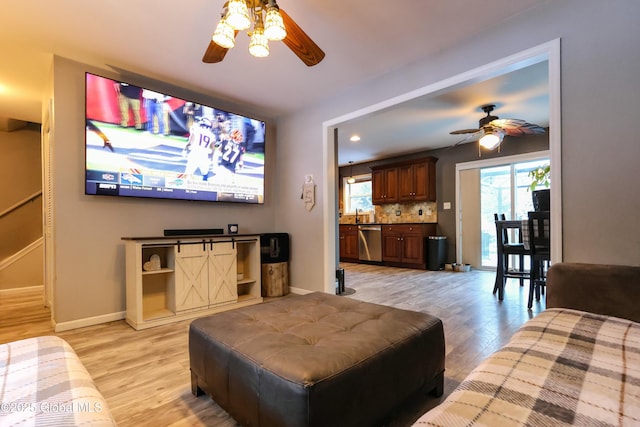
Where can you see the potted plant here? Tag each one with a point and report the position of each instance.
(540, 177)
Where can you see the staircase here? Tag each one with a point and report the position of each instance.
(21, 256)
(21, 208)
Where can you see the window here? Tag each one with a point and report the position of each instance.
(358, 194)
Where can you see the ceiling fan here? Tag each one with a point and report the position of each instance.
(252, 11)
(491, 129)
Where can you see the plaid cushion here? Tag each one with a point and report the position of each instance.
(43, 383)
(563, 367)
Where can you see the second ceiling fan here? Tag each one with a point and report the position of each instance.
(492, 129)
(239, 14)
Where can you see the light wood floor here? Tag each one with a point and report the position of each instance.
(144, 375)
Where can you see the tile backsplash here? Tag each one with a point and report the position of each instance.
(397, 213)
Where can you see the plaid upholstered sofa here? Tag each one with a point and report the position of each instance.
(43, 383)
(576, 363)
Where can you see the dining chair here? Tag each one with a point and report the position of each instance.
(540, 251)
(505, 237)
(506, 249)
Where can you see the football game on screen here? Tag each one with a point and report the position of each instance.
(143, 143)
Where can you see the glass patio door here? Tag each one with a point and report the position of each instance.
(503, 190)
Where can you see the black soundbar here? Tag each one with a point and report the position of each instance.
(193, 231)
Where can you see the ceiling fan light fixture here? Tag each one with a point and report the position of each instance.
(274, 25)
(238, 15)
(491, 139)
(258, 45)
(224, 35)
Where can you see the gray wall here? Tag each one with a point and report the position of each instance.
(600, 65)
(88, 250)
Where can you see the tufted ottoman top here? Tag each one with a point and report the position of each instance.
(307, 338)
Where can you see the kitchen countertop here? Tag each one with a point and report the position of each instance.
(390, 223)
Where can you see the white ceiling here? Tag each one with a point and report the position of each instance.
(165, 40)
(425, 122)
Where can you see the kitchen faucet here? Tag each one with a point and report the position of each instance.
(357, 219)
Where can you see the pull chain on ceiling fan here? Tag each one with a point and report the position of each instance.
(275, 25)
(492, 130)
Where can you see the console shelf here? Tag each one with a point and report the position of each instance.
(161, 271)
(197, 276)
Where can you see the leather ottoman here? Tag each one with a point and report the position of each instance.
(315, 360)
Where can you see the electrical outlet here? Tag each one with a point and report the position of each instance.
(419, 211)
(398, 213)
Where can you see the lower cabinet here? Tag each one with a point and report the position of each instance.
(348, 236)
(404, 245)
(205, 275)
(169, 279)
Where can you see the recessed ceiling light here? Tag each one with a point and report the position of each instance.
(354, 138)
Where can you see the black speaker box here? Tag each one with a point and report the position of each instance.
(193, 231)
(274, 247)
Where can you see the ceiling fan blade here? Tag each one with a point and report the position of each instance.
(477, 134)
(215, 52)
(300, 43)
(517, 127)
(462, 131)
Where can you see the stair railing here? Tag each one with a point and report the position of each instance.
(20, 204)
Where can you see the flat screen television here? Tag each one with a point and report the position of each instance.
(142, 143)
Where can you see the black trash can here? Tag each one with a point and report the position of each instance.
(436, 252)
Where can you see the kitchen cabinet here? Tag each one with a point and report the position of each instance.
(172, 279)
(417, 182)
(413, 180)
(404, 245)
(348, 236)
(384, 186)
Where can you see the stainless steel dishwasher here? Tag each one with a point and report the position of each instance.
(370, 242)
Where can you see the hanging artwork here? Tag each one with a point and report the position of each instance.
(308, 192)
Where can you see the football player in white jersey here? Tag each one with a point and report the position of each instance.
(200, 146)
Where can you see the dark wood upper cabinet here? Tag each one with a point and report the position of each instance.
(384, 186)
(410, 181)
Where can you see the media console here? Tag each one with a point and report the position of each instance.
(181, 277)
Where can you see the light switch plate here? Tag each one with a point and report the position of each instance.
(446, 205)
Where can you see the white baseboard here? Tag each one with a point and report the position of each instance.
(89, 321)
(37, 288)
(299, 291)
(21, 253)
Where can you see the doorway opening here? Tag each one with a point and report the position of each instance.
(548, 52)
